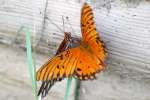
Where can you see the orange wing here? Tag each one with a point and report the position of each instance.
(47, 84)
(87, 23)
(89, 33)
(59, 66)
(74, 61)
(83, 61)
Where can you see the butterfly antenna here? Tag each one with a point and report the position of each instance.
(55, 25)
(67, 18)
(63, 23)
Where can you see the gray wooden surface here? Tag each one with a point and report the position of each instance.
(15, 82)
(124, 26)
(126, 32)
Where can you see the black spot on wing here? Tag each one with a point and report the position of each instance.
(78, 69)
(61, 57)
(63, 67)
(58, 66)
(83, 25)
(58, 74)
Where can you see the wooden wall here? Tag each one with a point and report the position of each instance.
(124, 26)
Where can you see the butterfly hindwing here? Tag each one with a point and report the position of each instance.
(87, 65)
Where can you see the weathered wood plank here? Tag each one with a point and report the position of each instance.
(15, 82)
(123, 25)
(126, 32)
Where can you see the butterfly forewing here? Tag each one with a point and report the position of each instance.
(49, 79)
(87, 23)
(89, 33)
(61, 65)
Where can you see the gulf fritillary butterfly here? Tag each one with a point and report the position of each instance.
(83, 61)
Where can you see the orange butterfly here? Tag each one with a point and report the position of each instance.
(46, 84)
(82, 61)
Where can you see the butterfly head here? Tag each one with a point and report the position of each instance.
(67, 36)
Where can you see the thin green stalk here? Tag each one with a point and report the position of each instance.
(90, 1)
(77, 84)
(31, 65)
(68, 88)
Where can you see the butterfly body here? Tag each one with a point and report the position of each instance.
(65, 43)
(85, 45)
(82, 61)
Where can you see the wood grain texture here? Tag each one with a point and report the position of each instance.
(123, 25)
(126, 32)
(15, 82)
